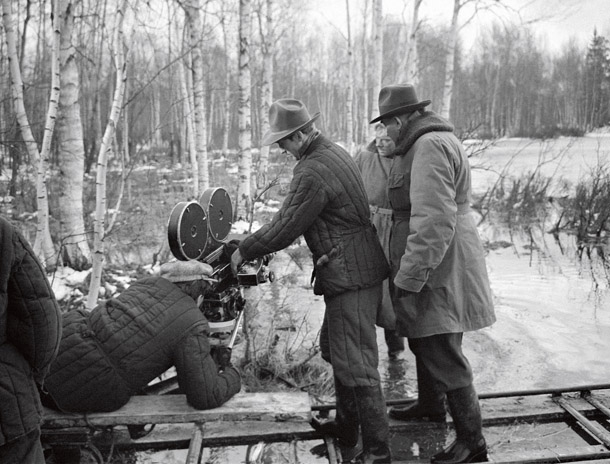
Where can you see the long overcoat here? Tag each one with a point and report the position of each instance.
(435, 250)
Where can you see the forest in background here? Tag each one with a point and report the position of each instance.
(92, 85)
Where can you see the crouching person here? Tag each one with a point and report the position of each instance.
(111, 353)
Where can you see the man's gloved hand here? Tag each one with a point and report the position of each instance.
(229, 248)
(236, 260)
(221, 356)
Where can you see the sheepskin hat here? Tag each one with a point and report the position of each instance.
(185, 271)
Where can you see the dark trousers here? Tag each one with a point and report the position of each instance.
(395, 342)
(25, 450)
(441, 359)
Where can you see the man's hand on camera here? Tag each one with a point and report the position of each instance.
(222, 356)
(236, 260)
(229, 248)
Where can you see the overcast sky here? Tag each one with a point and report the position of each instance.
(555, 21)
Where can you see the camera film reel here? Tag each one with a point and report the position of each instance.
(217, 204)
(187, 231)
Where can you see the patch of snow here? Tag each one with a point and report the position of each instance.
(260, 207)
(241, 227)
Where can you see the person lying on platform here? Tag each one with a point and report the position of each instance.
(111, 353)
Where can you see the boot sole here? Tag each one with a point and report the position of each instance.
(438, 419)
(480, 456)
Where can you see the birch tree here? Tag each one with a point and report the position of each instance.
(102, 161)
(190, 126)
(227, 88)
(267, 44)
(450, 59)
(245, 124)
(377, 61)
(70, 151)
(192, 10)
(365, 72)
(452, 41)
(43, 245)
(412, 75)
(349, 98)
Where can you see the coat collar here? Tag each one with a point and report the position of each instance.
(310, 144)
(428, 121)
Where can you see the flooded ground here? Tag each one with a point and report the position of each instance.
(552, 306)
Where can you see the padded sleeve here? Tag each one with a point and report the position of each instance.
(33, 316)
(302, 206)
(198, 375)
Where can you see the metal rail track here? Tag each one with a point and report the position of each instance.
(585, 406)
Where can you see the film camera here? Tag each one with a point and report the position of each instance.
(199, 230)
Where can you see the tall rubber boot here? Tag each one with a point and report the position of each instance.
(430, 405)
(469, 445)
(374, 424)
(346, 425)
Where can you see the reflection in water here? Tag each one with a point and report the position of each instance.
(396, 383)
(593, 256)
(420, 443)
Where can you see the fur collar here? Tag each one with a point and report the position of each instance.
(425, 122)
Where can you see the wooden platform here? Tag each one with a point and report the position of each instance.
(71, 434)
(251, 418)
(172, 409)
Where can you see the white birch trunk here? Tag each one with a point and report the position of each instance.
(190, 128)
(193, 17)
(450, 61)
(412, 75)
(75, 249)
(117, 207)
(365, 73)
(349, 99)
(100, 183)
(125, 117)
(244, 199)
(43, 245)
(377, 63)
(227, 91)
(227, 120)
(156, 117)
(268, 43)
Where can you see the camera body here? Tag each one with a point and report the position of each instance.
(200, 230)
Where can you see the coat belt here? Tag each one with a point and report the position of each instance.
(381, 211)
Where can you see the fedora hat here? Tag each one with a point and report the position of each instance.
(398, 99)
(286, 116)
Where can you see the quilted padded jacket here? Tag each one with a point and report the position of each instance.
(30, 330)
(111, 353)
(327, 204)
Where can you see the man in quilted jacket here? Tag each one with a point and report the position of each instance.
(30, 330)
(111, 353)
(327, 204)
